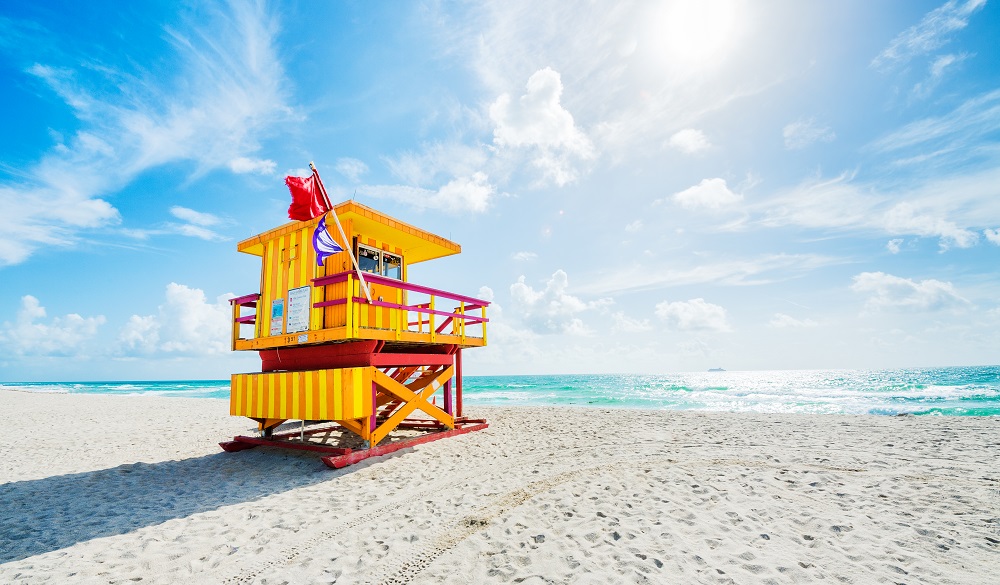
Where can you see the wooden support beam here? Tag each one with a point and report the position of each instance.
(428, 385)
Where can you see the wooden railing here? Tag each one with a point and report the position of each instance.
(428, 313)
(425, 316)
(238, 303)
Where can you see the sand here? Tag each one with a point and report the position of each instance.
(134, 489)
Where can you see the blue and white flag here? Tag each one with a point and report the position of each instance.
(324, 243)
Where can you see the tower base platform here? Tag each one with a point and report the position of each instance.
(338, 455)
(373, 397)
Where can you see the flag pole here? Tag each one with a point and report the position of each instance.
(347, 244)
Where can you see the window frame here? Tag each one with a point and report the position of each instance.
(357, 250)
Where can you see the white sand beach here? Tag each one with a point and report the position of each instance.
(134, 489)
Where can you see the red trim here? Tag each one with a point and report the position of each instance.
(350, 355)
(338, 461)
(245, 300)
(240, 443)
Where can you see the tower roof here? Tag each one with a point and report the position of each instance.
(417, 245)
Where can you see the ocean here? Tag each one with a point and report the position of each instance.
(955, 391)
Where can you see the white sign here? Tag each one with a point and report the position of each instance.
(298, 309)
(277, 316)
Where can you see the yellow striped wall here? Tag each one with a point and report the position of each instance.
(340, 394)
(289, 261)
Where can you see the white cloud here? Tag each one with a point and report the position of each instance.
(195, 231)
(905, 218)
(805, 132)
(893, 292)
(929, 34)
(947, 137)
(537, 121)
(244, 165)
(465, 194)
(693, 315)
(690, 141)
(229, 87)
(185, 324)
(992, 235)
(62, 336)
(627, 324)
(457, 196)
(197, 225)
(634, 226)
(439, 161)
(552, 310)
(953, 209)
(893, 245)
(195, 217)
(781, 320)
(351, 168)
(524, 256)
(936, 72)
(748, 272)
(708, 194)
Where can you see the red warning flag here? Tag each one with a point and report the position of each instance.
(307, 200)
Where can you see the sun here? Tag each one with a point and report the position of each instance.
(687, 36)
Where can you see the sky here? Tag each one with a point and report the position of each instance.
(643, 187)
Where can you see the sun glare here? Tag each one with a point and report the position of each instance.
(690, 36)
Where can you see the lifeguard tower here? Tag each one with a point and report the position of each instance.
(348, 343)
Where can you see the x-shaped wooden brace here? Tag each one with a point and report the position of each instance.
(411, 400)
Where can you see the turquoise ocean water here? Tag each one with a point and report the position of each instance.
(957, 391)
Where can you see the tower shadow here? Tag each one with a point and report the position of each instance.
(42, 515)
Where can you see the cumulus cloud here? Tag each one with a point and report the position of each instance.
(28, 335)
(693, 315)
(244, 165)
(690, 141)
(539, 123)
(626, 324)
(524, 256)
(930, 34)
(781, 320)
(634, 226)
(893, 245)
(211, 114)
(552, 309)
(351, 168)
(438, 162)
(708, 194)
(893, 292)
(462, 194)
(185, 324)
(803, 133)
(992, 235)
(486, 294)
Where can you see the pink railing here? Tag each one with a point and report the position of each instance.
(458, 318)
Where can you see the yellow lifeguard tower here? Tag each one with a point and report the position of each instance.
(344, 337)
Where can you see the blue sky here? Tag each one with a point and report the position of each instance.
(638, 187)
